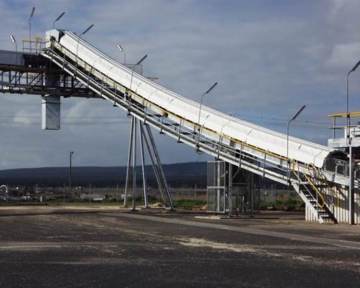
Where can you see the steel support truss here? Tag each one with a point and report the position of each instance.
(32, 78)
(141, 133)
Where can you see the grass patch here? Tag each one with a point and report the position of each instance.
(189, 204)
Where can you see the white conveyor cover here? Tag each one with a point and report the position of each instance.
(223, 124)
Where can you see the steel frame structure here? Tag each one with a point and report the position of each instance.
(140, 132)
(31, 78)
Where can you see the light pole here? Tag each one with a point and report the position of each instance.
(87, 30)
(121, 48)
(77, 46)
(349, 144)
(132, 70)
(57, 19)
(13, 40)
(347, 99)
(141, 60)
(201, 102)
(71, 153)
(287, 135)
(30, 18)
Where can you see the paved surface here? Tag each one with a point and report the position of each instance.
(54, 247)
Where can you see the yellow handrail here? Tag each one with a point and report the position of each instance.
(334, 189)
(316, 190)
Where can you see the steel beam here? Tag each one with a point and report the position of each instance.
(128, 168)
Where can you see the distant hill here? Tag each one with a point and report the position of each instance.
(178, 175)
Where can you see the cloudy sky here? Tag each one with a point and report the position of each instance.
(269, 57)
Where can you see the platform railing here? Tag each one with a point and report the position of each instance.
(34, 46)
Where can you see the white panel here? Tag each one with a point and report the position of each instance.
(50, 112)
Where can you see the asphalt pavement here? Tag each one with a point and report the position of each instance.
(82, 247)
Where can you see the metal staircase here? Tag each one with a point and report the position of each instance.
(313, 191)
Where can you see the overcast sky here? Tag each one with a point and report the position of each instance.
(269, 57)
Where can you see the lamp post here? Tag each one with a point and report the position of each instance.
(347, 99)
(81, 34)
(349, 144)
(141, 60)
(201, 100)
(30, 18)
(201, 103)
(132, 70)
(58, 18)
(287, 135)
(121, 48)
(87, 29)
(13, 40)
(71, 153)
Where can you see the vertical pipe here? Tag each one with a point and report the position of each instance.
(351, 188)
(143, 164)
(134, 166)
(225, 180)
(30, 44)
(158, 162)
(199, 126)
(287, 150)
(348, 137)
(347, 105)
(153, 162)
(218, 192)
(129, 161)
(230, 189)
(16, 56)
(70, 173)
(252, 194)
